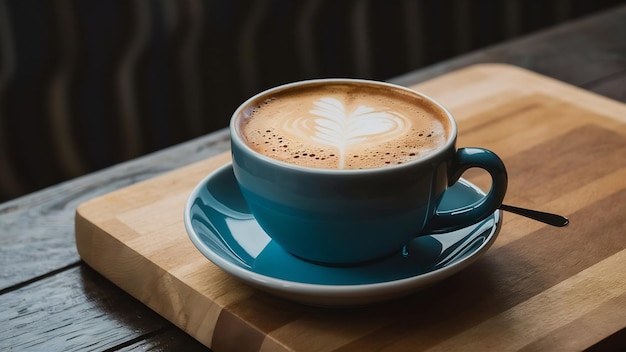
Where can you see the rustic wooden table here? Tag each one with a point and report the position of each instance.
(51, 300)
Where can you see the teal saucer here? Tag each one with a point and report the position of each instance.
(221, 226)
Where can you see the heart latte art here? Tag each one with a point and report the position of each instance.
(344, 127)
(339, 129)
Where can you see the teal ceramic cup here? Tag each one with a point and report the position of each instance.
(351, 216)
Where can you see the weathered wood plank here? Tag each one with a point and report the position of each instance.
(577, 52)
(76, 310)
(37, 230)
(84, 311)
(613, 86)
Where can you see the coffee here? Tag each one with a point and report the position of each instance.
(344, 126)
(317, 127)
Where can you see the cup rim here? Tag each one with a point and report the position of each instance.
(237, 139)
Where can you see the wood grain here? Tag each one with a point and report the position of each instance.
(537, 287)
(37, 248)
(36, 231)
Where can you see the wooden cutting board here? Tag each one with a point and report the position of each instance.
(537, 288)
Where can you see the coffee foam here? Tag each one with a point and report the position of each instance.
(344, 126)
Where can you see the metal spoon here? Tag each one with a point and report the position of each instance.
(547, 218)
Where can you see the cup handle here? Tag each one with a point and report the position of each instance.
(467, 158)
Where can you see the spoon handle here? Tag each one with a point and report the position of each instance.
(548, 218)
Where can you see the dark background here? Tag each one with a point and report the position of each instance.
(87, 84)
